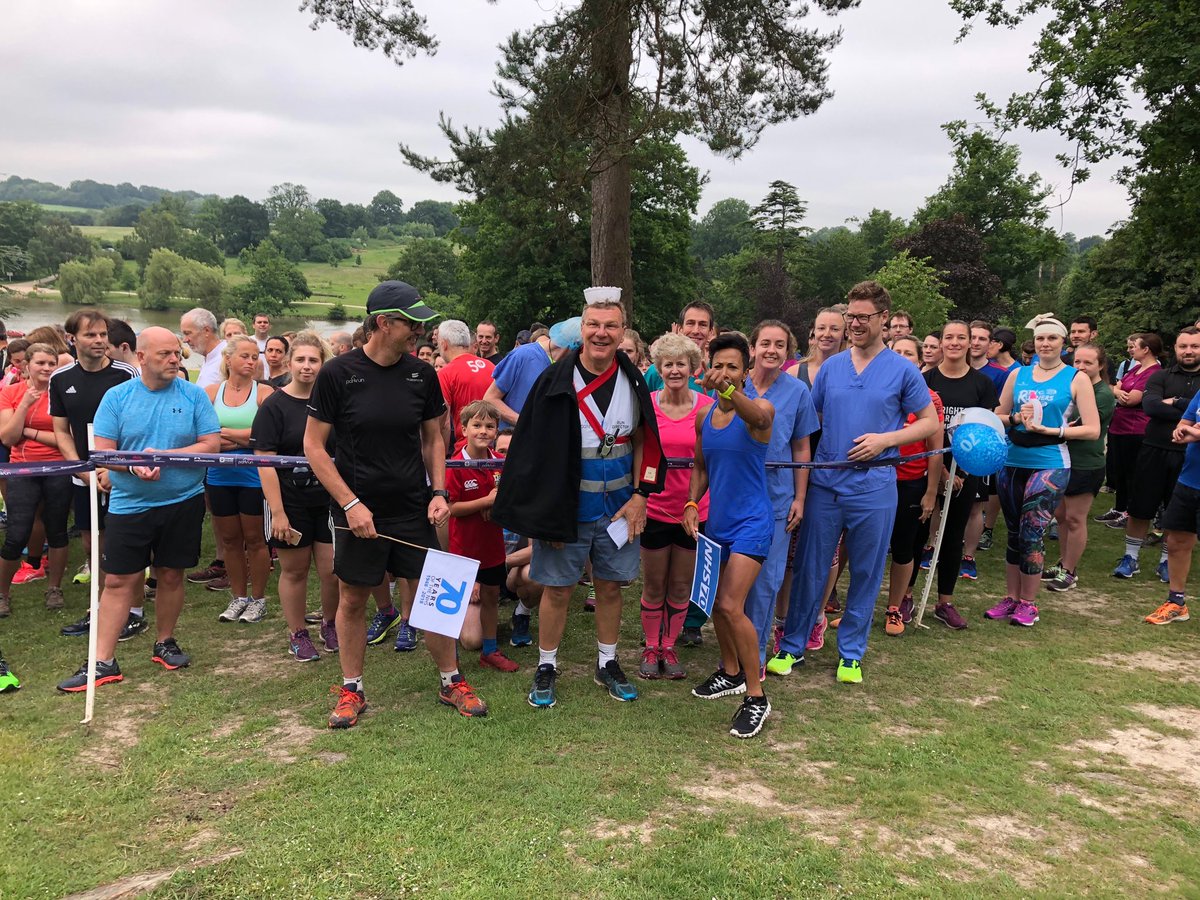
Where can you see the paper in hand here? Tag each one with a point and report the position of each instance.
(618, 530)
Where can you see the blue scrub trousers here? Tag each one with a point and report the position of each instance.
(867, 519)
(760, 601)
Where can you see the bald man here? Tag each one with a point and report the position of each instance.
(341, 342)
(154, 514)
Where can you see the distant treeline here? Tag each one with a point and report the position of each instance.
(87, 193)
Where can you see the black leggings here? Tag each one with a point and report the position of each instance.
(1120, 464)
(908, 531)
(55, 493)
(950, 555)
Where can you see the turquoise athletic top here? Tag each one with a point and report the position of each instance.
(1054, 398)
(235, 417)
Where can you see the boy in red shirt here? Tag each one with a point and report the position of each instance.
(472, 533)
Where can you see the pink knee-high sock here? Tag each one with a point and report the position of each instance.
(652, 624)
(676, 614)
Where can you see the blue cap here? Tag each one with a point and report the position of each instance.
(567, 333)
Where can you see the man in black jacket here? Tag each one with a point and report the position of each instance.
(584, 457)
(1167, 394)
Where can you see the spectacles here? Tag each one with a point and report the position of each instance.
(861, 318)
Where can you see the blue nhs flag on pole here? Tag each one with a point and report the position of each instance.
(707, 573)
(444, 593)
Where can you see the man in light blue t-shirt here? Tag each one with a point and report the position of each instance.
(515, 374)
(155, 514)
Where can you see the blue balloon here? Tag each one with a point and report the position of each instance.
(979, 449)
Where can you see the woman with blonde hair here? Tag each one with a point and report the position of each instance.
(296, 507)
(235, 495)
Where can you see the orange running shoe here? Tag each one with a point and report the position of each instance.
(894, 623)
(1169, 612)
(497, 660)
(349, 705)
(460, 695)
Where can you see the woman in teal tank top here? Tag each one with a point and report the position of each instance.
(1043, 405)
(235, 496)
(735, 434)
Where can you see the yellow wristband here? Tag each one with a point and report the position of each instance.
(728, 392)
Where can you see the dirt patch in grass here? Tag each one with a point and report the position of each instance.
(1089, 604)
(116, 726)
(1178, 666)
(262, 657)
(1147, 749)
(983, 700)
(144, 882)
(287, 738)
(642, 832)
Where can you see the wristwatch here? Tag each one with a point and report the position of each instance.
(443, 493)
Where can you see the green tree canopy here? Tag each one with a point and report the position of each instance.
(85, 283)
(724, 229)
(430, 265)
(56, 241)
(916, 288)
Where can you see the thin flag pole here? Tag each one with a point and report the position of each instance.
(93, 585)
(937, 545)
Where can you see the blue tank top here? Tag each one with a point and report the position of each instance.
(1054, 398)
(739, 508)
(241, 416)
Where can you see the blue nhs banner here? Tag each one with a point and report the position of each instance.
(444, 593)
(707, 573)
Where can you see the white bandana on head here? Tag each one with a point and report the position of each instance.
(1046, 323)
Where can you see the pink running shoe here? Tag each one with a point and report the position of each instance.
(816, 640)
(1025, 614)
(27, 573)
(1002, 610)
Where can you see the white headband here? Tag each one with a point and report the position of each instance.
(1047, 324)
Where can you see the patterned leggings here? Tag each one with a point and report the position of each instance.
(1028, 498)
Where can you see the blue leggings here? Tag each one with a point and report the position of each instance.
(760, 601)
(867, 519)
(1028, 498)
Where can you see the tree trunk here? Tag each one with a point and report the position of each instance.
(612, 179)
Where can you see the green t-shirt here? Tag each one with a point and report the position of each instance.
(1086, 455)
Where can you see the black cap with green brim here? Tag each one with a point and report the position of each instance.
(399, 297)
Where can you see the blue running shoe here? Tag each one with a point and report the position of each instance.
(1162, 573)
(520, 636)
(406, 637)
(541, 695)
(926, 557)
(967, 569)
(1126, 568)
(612, 678)
(384, 621)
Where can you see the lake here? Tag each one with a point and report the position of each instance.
(30, 312)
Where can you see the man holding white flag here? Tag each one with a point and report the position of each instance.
(384, 407)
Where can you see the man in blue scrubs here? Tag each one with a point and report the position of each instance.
(863, 396)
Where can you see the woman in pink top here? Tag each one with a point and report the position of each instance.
(668, 553)
(1129, 423)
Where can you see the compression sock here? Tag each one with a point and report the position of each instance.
(606, 653)
(676, 615)
(548, 657)
(1133, 547)
(353, 684)
(489, 646)
(652, 624)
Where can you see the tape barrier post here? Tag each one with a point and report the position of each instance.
(937, 546)
(89, 704)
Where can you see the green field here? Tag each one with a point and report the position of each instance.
(996, 762)
(111, 233)
(347, 283)
(58, 207)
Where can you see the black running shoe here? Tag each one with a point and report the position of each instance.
(77, 629)
(105, 673)
(168, 655)
(718, 684)
(691, 637)
(748, 720)
(135, 626)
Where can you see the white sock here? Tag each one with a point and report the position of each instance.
(1132, 547)
(1162, 558)
(522, 609)
(138, 611)
(607, 652)
(448, 677)
(548, 657)
(353, 684)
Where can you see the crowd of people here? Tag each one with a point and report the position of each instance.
(586, 417)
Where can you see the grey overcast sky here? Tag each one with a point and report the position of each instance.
(230, 96)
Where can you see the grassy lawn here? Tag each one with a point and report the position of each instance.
(112, 233)
(996, 762)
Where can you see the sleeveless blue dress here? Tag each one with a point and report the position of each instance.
(739, 512)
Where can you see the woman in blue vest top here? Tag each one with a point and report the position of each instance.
(731, 454)
(1043, 405)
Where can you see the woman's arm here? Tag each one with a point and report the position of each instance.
(697, 487)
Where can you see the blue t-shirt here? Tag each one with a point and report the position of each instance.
(794, 418)
(516, 373)
(1190, 473)
(853, 404)
(1054, 396)
(136, 418)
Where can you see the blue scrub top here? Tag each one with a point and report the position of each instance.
(852, 404)
(516, 373)
(795, 418)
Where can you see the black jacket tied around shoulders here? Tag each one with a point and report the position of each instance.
(538, 495)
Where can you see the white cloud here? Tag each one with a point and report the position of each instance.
(232, 97)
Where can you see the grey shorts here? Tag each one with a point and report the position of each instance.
(562, 568)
